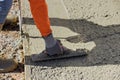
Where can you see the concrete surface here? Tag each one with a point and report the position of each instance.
(94, 25)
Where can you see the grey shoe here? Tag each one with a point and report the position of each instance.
(51, 53)
(7, 65)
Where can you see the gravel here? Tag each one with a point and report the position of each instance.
(11, 47)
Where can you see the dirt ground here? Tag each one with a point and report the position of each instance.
(11, 46)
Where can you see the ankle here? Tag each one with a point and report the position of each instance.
(50, 41)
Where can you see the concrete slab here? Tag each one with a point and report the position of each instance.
(32, 40)
(102, 39)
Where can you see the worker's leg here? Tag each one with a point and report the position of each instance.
(40, 14)
(5, 5)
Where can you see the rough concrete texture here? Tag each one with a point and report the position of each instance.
(97, 23)
(94, 18)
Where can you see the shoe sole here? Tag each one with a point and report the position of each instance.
(65, 55)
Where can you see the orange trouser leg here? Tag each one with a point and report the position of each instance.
(40, 14)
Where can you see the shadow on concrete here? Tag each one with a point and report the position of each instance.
(88, 30)
(106, 38)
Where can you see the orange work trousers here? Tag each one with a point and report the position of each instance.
(39, 11)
